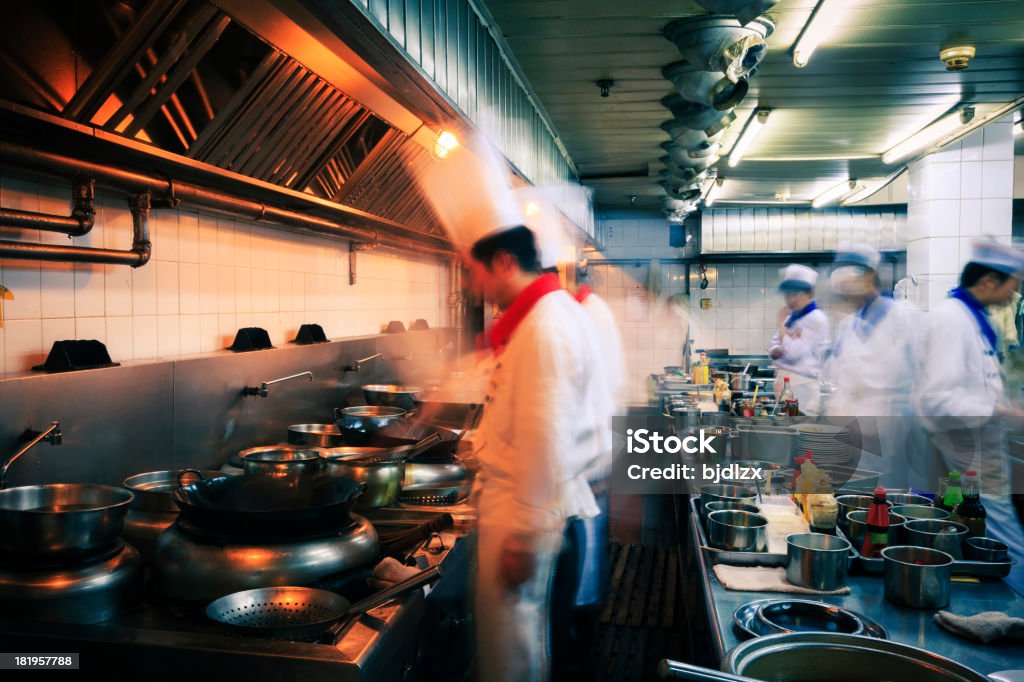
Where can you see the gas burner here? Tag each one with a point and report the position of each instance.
(91, 592)
(193, 564)
(67, 559)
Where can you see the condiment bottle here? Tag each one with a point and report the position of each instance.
(787, 391)
(971, 512)
(954, 495)
(877, 536)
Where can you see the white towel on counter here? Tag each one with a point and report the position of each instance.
(390, 571)
(763, 579)
(986, 627)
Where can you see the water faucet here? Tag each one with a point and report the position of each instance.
(263, 388)
(51, 435)
(354, 367)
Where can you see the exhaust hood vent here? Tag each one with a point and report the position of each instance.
(182, 76)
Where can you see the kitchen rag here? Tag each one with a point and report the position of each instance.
(987, 627)
(763, 579)
(390, 571)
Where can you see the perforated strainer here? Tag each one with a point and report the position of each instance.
(300, 613)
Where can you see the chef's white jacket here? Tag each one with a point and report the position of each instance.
(803, 348)
(542, 426)
(958, 373)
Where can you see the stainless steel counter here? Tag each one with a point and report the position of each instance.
(909, 626)
(152, 643)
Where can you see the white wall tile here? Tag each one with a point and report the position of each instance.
(190, 334)
(22, 280)
(188, 237)
(143, 290)
(168, 336)
(144, 337)
(57, 290)
(167, 290)
(91, 328)
(57, 329)
(120, 341)
(997, 179)
(90, 290)
(163, 227)
(23, 344)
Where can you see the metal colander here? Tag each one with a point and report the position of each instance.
(297, 613)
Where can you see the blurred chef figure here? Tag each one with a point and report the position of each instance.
(581, 580)
(959, 389)
(871, 366)
(798, 347)
(539, 429)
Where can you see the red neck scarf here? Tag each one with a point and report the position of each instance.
(502, 330)
(583, 292)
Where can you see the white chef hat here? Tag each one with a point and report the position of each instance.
(863, 255)
(470, 193)
(797, 277)
(545, 221)
(1001, 257)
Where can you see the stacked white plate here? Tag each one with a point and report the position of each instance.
(828, 444)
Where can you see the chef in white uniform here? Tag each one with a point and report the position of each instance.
(959, 389)
(542, 415)
(871, 367)
(798, 347)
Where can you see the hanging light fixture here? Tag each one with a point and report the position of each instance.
(863, 190)
(930, 135)
(444, 144)
(753, 126)
(823, 20)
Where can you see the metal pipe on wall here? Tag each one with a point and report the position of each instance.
(78, 224)
(136, 257)
(173, 192)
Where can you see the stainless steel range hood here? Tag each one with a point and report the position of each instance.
(187, 78)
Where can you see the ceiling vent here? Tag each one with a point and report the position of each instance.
(709, 88)
(721, 43)
(744, 10)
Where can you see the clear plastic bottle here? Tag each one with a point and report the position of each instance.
(954, 495)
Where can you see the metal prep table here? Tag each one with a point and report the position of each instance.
(906, 625)
(401, 640)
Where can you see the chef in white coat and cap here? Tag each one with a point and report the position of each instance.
(798, 347)
(959, 389)
(542, 421)
(582, 571)
(871, 367)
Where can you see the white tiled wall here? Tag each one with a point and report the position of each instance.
(208, 277)
(961, 192)
(800, 229)
(744, 308)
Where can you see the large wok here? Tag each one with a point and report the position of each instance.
(267, 505)
(407, 434)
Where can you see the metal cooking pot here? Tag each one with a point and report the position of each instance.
(315, 435)
(366, 419)
(392, 395)
(810, 657)
(260, 504)
(383, 480)
(434, 472)
(737, 531)
(945, 536)
(739, 382)
(282, 461)
(686, 418)
(61, 518)
(153, 509)
(727, 492)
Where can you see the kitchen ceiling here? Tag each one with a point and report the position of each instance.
(874, 81)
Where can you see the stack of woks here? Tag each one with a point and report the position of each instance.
(62, 558)
(720, 52)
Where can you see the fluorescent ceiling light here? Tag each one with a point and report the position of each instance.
(765, 202)
(754, 124)
(843, 189)
(826, 157)
(823, 20)
(713, 191)
(1018, 127)
(927, 137)
(864, 190)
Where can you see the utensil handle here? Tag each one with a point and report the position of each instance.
(387, 594)
(181, 475)
(676, 670)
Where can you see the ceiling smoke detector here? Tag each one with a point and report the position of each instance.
(957, 58)
(605, 84)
